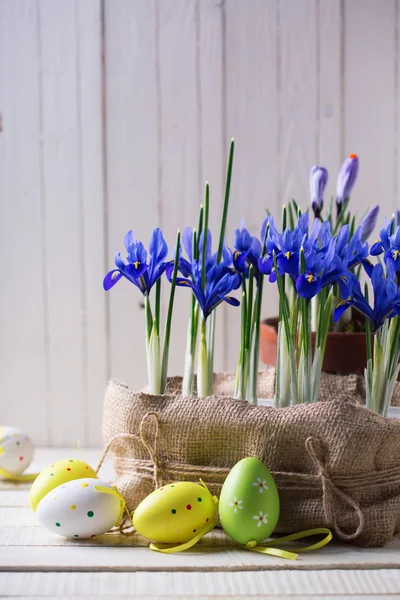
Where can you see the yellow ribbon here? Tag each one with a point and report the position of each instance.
(268, 549)
(19, 478)
(170, 548)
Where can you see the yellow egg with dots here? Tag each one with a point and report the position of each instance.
(176, 513)
(57, 474)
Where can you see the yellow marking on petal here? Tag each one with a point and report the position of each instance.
(136, 264)
(84, 484)
(310, 278)
(73, 506)
(288, 255)
(343, 302)
(184, 282)
(236, 254)
(395, 254)
(54, 498)
(115, 274)
(1, 450)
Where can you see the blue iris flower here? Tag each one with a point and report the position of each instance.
(220, 282)
(286, 247)
(247, 251)
(382, 309)
(137, 270)
(321, 269)
(390, 244)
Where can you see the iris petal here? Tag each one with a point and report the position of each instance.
(158, 248)
(308, 285)
(129, 239)
(341, 308)
(230, 300)
(265, 264)
(111, 279)
(239, 260)
(187, 241)
(376, 248)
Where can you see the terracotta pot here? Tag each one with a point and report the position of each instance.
(345, 353)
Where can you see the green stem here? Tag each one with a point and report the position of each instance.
(212, 317)
(158, 305)
(196, 242)
(167, 334)
(205, 235)
(226, 201)
(203, 380)
(367, 327)
(240, 377)
(149, 318)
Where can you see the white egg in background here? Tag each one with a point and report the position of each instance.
(16, 450)
(80, 508)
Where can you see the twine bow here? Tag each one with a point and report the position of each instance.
(329, 490)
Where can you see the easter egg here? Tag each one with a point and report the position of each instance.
(56, 474)
(80, 508)
(175, 513)
(16, 451)
(249, 502)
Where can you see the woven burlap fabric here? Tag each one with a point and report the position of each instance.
(336, 463)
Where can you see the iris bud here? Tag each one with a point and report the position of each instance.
(318, 181)
(346, 180)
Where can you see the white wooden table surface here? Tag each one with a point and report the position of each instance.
(36, 564)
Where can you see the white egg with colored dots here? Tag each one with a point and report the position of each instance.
(81, 508)
(16, 452)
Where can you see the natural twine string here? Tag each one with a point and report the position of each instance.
(153, 470)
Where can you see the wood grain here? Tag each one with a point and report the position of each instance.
(92, 224)
(181, 192)
(369, 106)
(197, 586)
(132, 146)
(23, 319)
(252, 119)
(62, 200)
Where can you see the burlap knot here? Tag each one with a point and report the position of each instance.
(329, 490)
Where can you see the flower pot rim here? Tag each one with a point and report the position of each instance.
(273, 321)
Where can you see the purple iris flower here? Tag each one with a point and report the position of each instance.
(137, 270)
(382, 288)
(318, 181)
(247, 251)
(346, 180)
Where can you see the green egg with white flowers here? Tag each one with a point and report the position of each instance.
(249, 502)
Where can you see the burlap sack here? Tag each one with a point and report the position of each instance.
(336, 464)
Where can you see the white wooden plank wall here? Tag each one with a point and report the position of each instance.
(114, 113)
